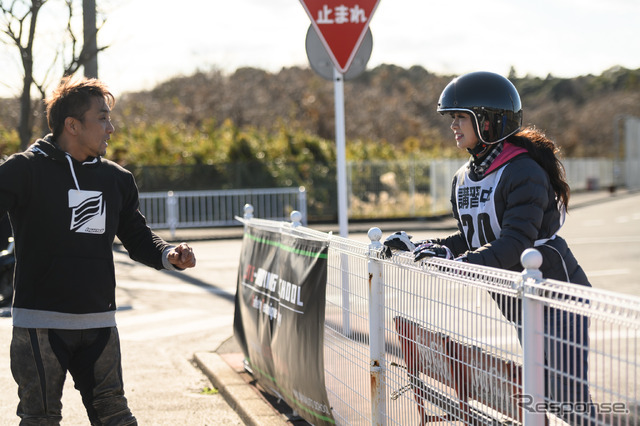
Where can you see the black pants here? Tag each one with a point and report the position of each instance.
(566, 360)
(40, 359)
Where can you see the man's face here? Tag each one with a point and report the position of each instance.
(95, 129)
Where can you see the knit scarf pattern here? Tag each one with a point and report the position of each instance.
(479, 169)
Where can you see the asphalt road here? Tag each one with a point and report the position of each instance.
(167, 317)
(604, 235)
(164, 318)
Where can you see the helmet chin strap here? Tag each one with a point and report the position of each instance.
(480, 150)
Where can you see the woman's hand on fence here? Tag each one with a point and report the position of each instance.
(429, 249)
(398, 241)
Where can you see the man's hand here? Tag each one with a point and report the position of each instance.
(182, 256)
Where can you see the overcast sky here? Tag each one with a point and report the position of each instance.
(151, 41)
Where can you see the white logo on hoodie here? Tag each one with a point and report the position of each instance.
(88, 211)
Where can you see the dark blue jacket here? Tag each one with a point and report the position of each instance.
(528, 211)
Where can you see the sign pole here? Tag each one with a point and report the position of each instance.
(338, 90)
(341, 26)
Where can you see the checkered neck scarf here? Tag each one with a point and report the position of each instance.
(479, 169)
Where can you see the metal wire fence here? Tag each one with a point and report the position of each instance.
(410, 343)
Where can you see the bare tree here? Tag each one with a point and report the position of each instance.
(90, 40)
(83, 54)
(19, 26)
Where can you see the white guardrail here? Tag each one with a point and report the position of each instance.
(201, 209)
(386, 189)
(410, 343)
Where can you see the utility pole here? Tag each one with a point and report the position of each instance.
(90, 38)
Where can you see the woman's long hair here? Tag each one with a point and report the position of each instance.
(543, 151)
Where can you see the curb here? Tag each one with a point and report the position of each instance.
(242, 397)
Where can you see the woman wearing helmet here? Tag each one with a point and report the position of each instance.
(512, 195)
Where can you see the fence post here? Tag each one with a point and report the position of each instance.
(172, 213)
(295, 216)
(376, 330)
(433, 186)
(302, 204)
(247, 216)
(248, 211)
(532, 340)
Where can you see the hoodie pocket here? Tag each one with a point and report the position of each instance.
(77, 285)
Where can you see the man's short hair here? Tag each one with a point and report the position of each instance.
(72, 98)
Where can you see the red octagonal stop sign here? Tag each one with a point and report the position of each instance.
(341, 25)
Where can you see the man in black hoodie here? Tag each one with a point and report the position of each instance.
(66, 205)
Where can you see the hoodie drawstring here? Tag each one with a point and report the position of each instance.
(73, 173)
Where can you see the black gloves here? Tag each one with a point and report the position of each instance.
(429, 249)
(398, 241)
(421, 249)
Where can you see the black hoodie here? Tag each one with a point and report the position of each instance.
(65, 216)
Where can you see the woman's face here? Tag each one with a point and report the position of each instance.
(463, 131)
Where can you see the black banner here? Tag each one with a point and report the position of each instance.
(279, 318)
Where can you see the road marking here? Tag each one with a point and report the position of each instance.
(608, 272)
(604, 240)
(134, 326)
(163, 331)
(171, 287)
(597, 333)
(617, 219)
(132, 319)
(157, 325)
(593, 222)
(6, 323)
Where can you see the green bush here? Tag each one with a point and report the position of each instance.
(9, 141)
